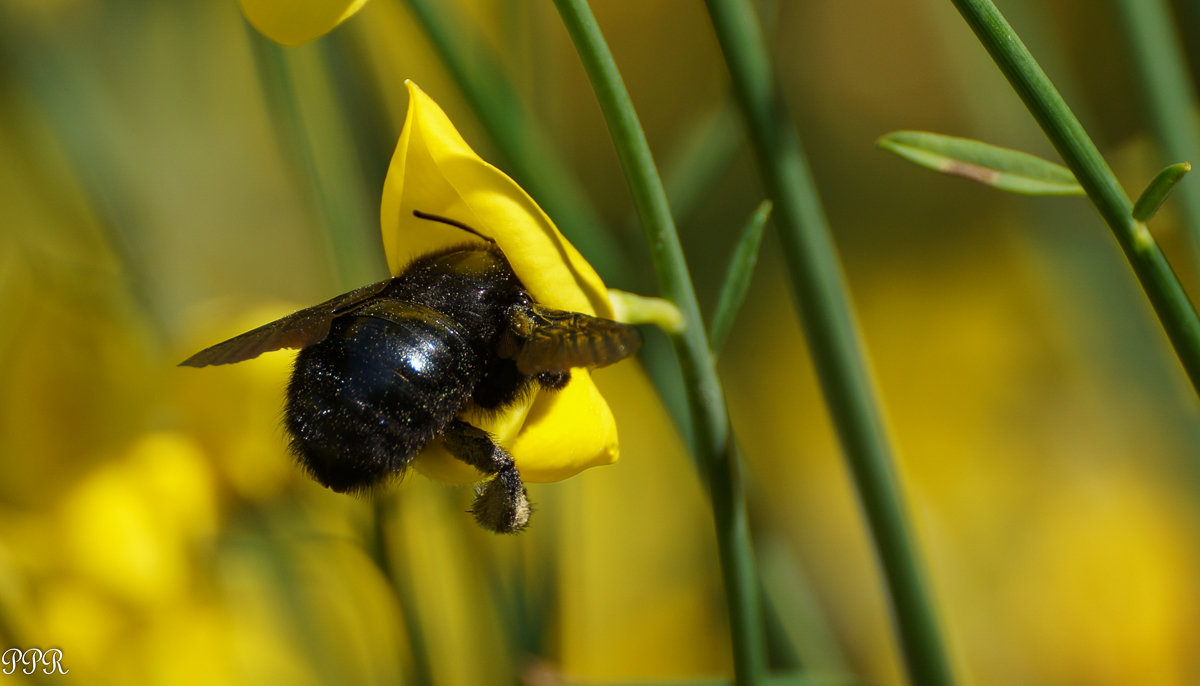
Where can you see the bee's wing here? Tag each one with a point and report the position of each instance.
(549, 340)
(297, 330)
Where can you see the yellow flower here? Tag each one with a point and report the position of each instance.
(298, 21)
(551, 435)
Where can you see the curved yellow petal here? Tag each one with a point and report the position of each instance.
(557, 436)
(434, 170)
(566, 432)
(551, 435)
(293, 22)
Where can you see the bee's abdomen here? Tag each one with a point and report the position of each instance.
(363, 402)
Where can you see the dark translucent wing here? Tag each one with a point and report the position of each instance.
(551, 340)
(297, 330)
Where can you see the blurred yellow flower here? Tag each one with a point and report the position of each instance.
(550, 435)
(298, 21)
(130, 525)
(232, 411)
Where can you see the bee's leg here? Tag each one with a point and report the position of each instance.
(553, 381)
(500, 503)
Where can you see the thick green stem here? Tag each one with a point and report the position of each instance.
(710, 422)
(832, 334)
(1175, 311)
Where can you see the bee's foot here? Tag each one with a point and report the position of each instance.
(501, 504)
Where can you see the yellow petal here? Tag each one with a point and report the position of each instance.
(435, 171)
(566, 432)
(552, 435)
(559, 435)
(292, 22)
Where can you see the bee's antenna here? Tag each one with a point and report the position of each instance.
(451, 222)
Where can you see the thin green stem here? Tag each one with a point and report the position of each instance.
(343, 238)
(705, 152)
(1169, 94)
(533, 161)
(710, 422)
(75, 106)
(378, 545)
(832, 334)
(1175, 311)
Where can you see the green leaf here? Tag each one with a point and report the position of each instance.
(1158, 190)
(991, 165)
(737, 277)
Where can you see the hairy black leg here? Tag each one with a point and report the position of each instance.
(501, 504)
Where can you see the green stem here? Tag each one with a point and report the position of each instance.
(1169, 95)
(533, 161)
(832, 334)
(1162, 287)
(710, 422)
(343, 239)
(74, 105)
(378, 546)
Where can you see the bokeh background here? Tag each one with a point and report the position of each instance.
(168, 178)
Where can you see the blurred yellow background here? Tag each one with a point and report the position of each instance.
(154, 200)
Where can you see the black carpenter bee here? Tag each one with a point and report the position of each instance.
(387, 368)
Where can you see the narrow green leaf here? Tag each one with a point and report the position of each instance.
(737, 277)
(991, 165)
(1158, 190)
(1167, 295)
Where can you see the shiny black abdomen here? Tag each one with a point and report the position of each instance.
(378, 388)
